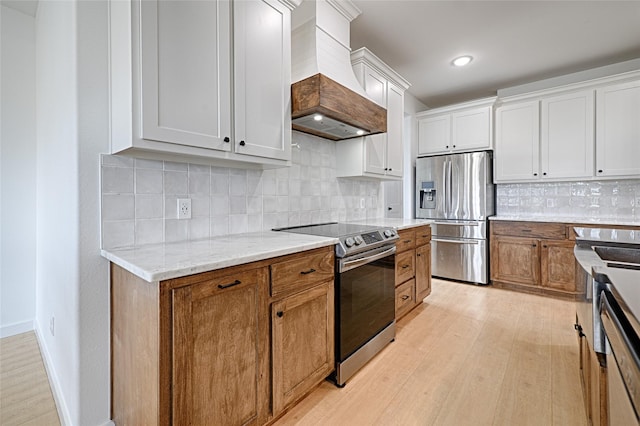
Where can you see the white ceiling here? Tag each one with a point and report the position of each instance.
(512, 42)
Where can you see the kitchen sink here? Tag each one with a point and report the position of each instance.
(619, 257)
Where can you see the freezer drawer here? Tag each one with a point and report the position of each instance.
(460, 259)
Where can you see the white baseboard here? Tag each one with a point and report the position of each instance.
(16, 328)
(61, 406)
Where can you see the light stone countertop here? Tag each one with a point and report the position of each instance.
(395, 223)
(567, 219)
(158, 262)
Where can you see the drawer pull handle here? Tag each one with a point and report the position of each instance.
(279, 314)
(525, 230)
(406, 241)
(310, 271)
(405, 266)
(405, 297)
(223, 286)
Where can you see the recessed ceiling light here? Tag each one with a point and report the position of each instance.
(462, 61)
(360, 132)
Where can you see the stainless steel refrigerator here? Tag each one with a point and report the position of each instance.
(457, 192)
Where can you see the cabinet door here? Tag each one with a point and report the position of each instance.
(395, 119)
(423, 272)
(618, 130)
(185, 75)
(517, 142)
(434, 134)
(375, 148)
(515, 260)
(471, 130)
(262, 76)
(566, 139)
(558, 265)
(220, 355)
(303, 345)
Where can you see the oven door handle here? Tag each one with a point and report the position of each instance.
(352, 264)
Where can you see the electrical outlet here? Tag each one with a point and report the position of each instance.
(184, 208)
(362, 203)
(52, 323)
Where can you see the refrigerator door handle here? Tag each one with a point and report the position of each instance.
(460, 241)
(444, 184)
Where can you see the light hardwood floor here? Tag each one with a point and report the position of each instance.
(467, 356)
(25, 395)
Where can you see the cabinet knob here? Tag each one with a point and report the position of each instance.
(447, 146)
(385, 169)
(599, 171)
(226, 139)
(535, 174)
(389, 208)
(279, 314)
(544, 246)
(418, 254)
(390, 169)
(242, 143)
(454, 146)
(544, 174)
(534, 245)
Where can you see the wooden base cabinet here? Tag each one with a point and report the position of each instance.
(220, 357)
(303, 355)
(234, 346)
(535, 257)
(593, 374)
(413, 268)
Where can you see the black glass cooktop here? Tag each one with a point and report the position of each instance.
(332, 229)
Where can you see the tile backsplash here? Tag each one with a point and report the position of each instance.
(611, 199)
(139, 197)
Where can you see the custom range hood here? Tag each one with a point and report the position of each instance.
(326, 98)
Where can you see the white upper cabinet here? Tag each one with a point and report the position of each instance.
(547, 139)
(173, 94)
(434, 134)
(566, 136)
(517, 153)
(262, 42)
(185, 73)
(618, 130)
(376, 156)
(456, 128)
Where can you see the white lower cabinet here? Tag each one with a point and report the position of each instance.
(173, 93)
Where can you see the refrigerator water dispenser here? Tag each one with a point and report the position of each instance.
(427, 196)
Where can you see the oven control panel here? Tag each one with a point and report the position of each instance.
(366, 241)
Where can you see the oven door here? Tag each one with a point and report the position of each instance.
(365, 298)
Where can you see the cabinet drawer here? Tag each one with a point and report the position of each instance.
(407, 239)
(423, 235)
(299, 271)
(405, 266)
(405, 298)
(556, 231)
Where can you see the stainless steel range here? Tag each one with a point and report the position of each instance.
(365, 291)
